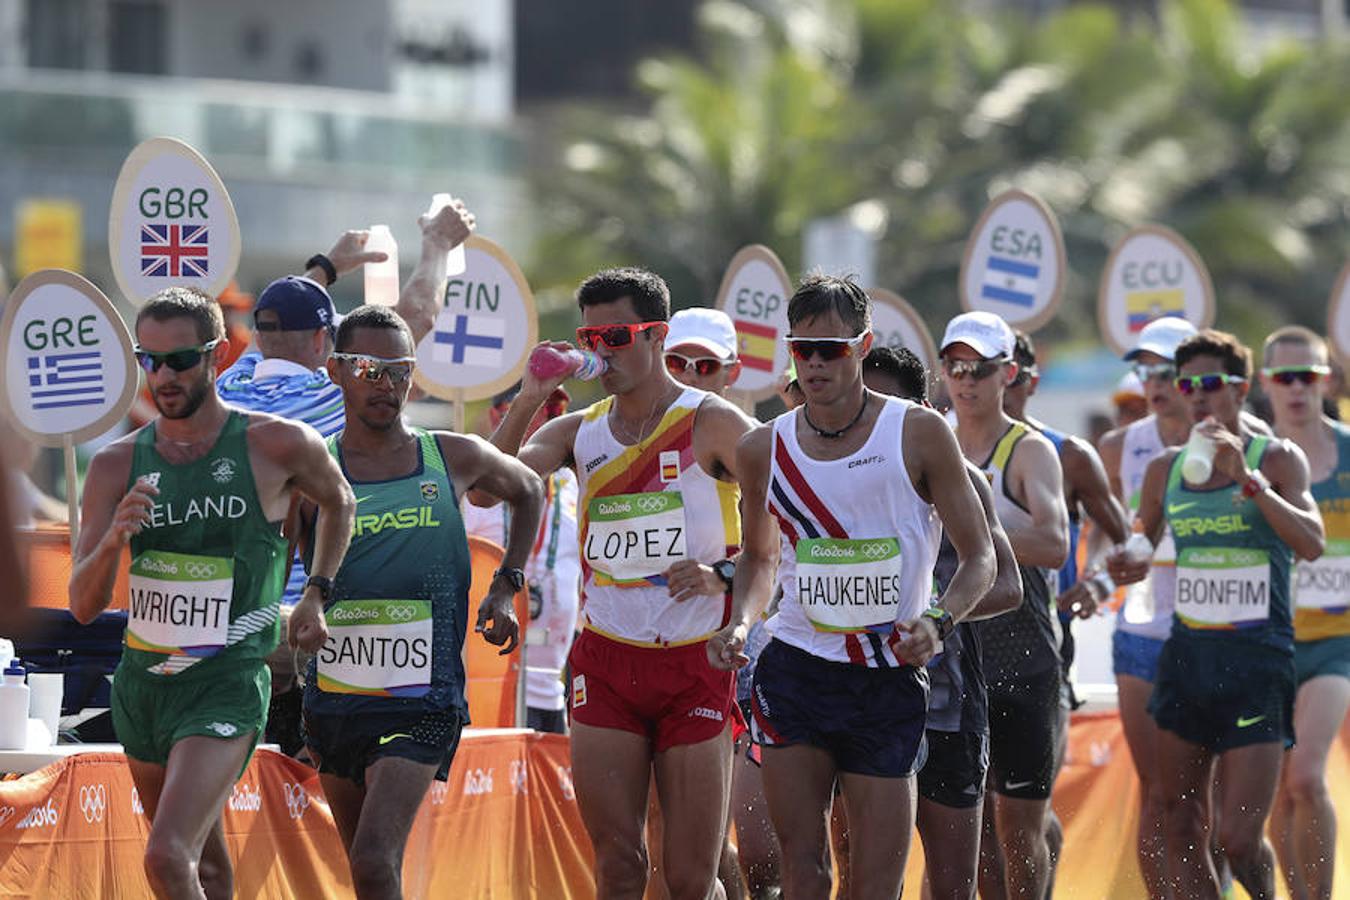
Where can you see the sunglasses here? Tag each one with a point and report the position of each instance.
(1025, 374)
(1160, 371)
(612, 336)
(178, 360)
(979, 369)
(828, 349)
(373, 368)
(677, 363)
(1189, 384)
(1287, 375)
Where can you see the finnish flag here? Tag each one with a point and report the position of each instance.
(1010, 281)
(465, 340)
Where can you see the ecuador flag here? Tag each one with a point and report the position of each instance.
(1143, 307)
(755, 344)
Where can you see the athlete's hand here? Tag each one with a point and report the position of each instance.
(350, 252)
(689, 578)
(133, 512)
(1229, 455)
(1081, 600)
(500, 609)
(1123, 569)
(450, 227)
(536, 390)
(726, 648)
(916, 642)
(307, 628)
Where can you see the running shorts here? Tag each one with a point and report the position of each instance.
(669, 695)
(151, 713)
(1329, 656)
(953, 774)
(1024, 724)
(1224, 694)
(1136, 655)
(346, 744)
(871, 721)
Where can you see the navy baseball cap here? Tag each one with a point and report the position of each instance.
(301, 304)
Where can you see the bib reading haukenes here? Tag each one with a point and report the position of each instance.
(208, 569)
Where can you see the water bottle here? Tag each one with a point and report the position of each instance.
(455, 263)
(382, 277)
(13, 708)
(546, 363)
(1199, 462)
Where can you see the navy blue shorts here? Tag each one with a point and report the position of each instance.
(1224, 694)
(1134, 654)
(347, 744)
(871, 721)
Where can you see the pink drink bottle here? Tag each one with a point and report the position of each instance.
(546, 362)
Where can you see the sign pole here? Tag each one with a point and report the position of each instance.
(458, 404)
(72, 492)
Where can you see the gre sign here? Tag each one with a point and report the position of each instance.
(68, 368)
(171, 223)
(1014, 262)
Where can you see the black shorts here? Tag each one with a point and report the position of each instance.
(1223, 694)
(870, 720)
(1024, 724)
(953, 774)
(346, 744)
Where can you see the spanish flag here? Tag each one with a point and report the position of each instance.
(1143, 307)
(756, 344)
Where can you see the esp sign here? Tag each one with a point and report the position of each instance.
(896, 324)
(1014, 262)
(68, 368)
(171, 223)
(1152, 272)
(485, 330)
(754, 293)
(1338, 316)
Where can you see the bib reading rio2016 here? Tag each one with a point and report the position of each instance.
(180, 603)
(633, 536)
(379, 648)
(1223, 587)
(846, 585)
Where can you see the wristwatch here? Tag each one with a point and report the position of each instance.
(515, 576)
(726, 570)
(319, 261)
(324, 586)
(942, 619)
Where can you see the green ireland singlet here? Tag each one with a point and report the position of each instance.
(208, 569)
(1233, 571)
(399, 610)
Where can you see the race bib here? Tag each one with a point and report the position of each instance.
(379, 648)
(179, 603)
(847, 585)
(630, 537)
(1324, 583)
(1222, 587)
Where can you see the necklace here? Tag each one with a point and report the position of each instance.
(628, 436)
(831, 435)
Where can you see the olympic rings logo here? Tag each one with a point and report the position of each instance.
(93, 802)
(297, 799)
(651, 504)
(874, 551)
(400, 612)
(200, 570)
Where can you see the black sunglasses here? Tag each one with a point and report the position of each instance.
(828, 349)
(178, 360)
(979, 369)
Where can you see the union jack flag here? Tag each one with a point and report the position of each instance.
(174, 250)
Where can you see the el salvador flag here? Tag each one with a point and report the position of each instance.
(1010, 281)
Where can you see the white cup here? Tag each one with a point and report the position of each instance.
(1199, 462)
(45, 690)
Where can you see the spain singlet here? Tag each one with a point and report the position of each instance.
(1023, 642)
(400, 601)
(858, 543)
(1147, 610)
(1322, 587)
(643, 508)
(208, 568)
(1232, 569)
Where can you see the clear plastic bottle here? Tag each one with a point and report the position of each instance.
(455, 263)
(13, 708)
(382, 277)
(1199, 462)
(1139, 596)
(546, 362)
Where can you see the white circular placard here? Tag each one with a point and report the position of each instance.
(896, 324)
(754, 293)
(1014, 262)
(1152, 272)
(1338, 316)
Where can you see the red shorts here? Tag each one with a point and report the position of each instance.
(669, 695)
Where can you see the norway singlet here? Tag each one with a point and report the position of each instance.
(858, 543)
(642, 509)
(207, 570)
(1147, 610)
(400, 602)
(1322, 587)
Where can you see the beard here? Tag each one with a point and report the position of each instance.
(194, 395)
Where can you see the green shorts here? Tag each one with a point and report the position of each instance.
(151, 713)
(1329, 656)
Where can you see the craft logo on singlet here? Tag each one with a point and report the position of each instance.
(245, 799)
(222, 470)
(297, 799)
(93, 802)
(866, 461)
(44, 816)
(477, 782)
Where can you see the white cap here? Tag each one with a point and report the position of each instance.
(1129, 386)
(984, 332)
(710, 329)
(1162, 336)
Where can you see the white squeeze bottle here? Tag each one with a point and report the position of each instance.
(13, 708)
(1199, 462)
(455, 263)
(382, 277)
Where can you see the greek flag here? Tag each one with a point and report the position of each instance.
(57, 380)
(1010, 281)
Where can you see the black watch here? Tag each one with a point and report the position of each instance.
(323, 262)
(515, 576)
(725, 570)
(942, 619)
(325, 586)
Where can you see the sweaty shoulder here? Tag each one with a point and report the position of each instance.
(276, 437)
(922, 421)
(114, 460)
(717, 413)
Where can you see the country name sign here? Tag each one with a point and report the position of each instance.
(1014, 264)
